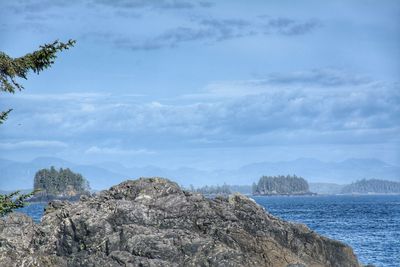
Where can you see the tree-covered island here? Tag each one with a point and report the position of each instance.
(59, 184)
(281, 185)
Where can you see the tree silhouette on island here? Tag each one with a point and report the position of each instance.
(281, 185)
(59, 184)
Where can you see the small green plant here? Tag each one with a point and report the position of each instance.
(13, 201)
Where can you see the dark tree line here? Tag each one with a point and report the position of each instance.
(372, 186)
(60, 182)
(224, 189)
(212, 189)
(270, 185)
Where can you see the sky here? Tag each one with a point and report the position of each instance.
(206, 84)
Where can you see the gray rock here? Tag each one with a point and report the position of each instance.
(152, 222)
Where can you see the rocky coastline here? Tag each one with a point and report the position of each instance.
(153, 222)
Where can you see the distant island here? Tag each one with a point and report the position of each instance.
(281, 185)
(372, 186)
(267, 185)
(224, 189)
(19, 174)
(294, 185)
(59, 184)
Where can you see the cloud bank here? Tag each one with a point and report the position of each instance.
(334, 107)
(170, 23)
(212, 30)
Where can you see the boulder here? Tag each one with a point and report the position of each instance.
(153, 222)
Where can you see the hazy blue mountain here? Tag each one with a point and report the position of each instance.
(15, 175)
(4, 163)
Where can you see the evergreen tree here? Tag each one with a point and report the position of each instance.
(13, 68)
(12, 201)
(10, 70)
(53, 182)
(280, 185)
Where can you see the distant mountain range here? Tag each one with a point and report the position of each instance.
(16, 175)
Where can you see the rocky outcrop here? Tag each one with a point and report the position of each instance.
(153, 222)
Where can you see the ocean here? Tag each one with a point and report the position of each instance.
(370, 224)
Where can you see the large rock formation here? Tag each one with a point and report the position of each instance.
(152, 222)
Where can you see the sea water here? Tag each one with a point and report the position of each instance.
(370, 224)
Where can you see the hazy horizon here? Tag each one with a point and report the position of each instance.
(103, 175)
(203, 84)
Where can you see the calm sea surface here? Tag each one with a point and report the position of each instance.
(370, 224)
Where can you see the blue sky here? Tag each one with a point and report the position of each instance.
(208, 84)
